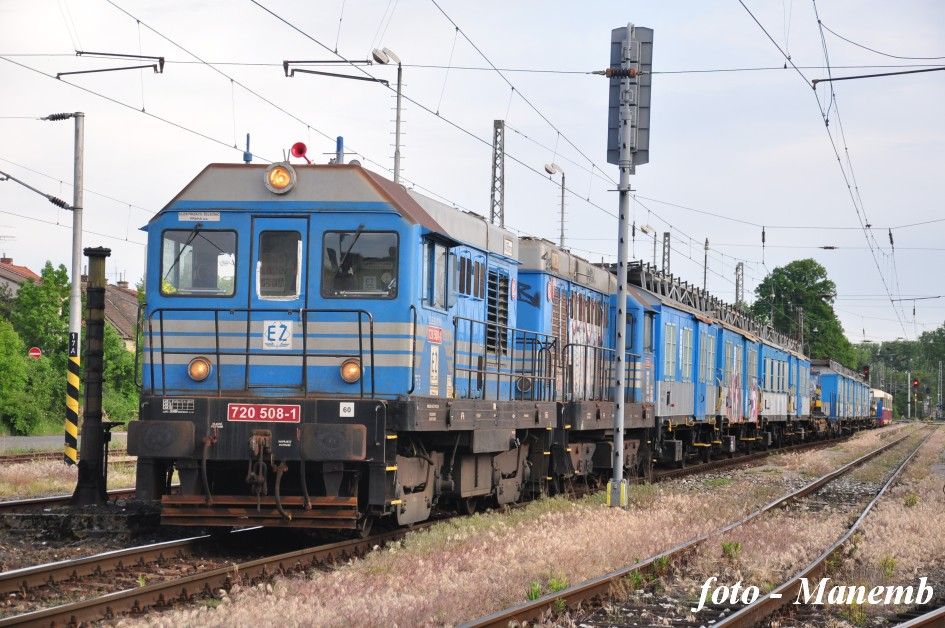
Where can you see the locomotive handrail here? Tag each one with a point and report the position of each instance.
(413, 350)
(542, 360)
(139, 374)
(362, 317)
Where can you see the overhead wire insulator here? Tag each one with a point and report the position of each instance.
(618, 72)
(56, 117)
(58, 202)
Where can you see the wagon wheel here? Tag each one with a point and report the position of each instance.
(365, 524)
(645, 464)
(467, 505)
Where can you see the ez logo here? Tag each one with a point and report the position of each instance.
(277, 335)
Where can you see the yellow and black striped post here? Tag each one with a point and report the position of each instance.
(70, 450)
(90, 488)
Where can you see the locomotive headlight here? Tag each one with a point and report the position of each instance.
(280, 178)
(199, 369)
(351, 370)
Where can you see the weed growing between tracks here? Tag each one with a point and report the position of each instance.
(466, 567)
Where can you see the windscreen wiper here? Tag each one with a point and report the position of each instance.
(190, 238)
(344, 256)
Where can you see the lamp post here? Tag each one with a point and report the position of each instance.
(385, 56)
(552, 169)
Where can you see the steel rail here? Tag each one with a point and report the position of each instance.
(12, 505)
(601, 586)
(767, 605)
(932, 618)
(28, 578)
(139, 600)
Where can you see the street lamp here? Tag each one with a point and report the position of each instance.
(552, 169)
(385, 56)
(650, 229)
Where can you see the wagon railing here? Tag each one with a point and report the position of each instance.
(590, 373)
(520, 367)
(157, 350)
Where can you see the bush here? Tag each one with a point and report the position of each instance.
(120, 392)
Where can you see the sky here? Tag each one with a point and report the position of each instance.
(745, 148)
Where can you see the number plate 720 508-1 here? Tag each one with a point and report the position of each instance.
(265, 413)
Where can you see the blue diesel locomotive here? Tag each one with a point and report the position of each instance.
(323, 348)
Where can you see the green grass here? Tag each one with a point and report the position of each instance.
(557, 583)
(888, 566)
(731, 549)
(635, 579)
(716, 482)
(534, 591)
(661, 565)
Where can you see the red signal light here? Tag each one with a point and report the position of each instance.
(298, 150)
(915, 383)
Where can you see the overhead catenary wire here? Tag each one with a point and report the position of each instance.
(69, 227)
(296, 118)
(826, 119)
(87, 90)
(85, 189)
(455, 125)
(874, 50)
(861, 209)
(521, 95)
(523, 70)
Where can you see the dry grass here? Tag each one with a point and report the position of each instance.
(48, 477)
(816, 463)
(467, 567)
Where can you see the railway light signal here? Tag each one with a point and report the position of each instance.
(915, 383)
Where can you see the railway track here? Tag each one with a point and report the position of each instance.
(160, 595)
(601, 587)
(772, 602)
(26, 581)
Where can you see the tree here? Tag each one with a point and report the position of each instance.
(13, 383)
(40, 313)
(804, 284)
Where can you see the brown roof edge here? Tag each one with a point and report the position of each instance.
(399, 198)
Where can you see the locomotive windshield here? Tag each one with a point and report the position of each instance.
(359, 264)
(198, 262)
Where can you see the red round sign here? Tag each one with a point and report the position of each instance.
(35, 353)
